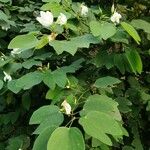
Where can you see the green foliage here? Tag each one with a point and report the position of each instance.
(78, 82)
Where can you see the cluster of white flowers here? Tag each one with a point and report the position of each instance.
(67, 107)
(47, 19)
(7, 77)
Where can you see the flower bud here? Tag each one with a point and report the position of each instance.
(67, 107)
(62, 19)
(7, 76)
(84, 10)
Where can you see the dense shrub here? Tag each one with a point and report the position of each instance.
(74, 75)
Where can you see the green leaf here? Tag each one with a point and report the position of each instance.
(30, 63)
(1, 84)
(99, 124)
(119, 63)
(60, 78)
(44, 113)
(101, 103)
(134, 60)
(42, 140)
(29, 80)
(5, 1)
(105, 30)
(49, 80)
(26, 100)
(56, 77)
(74, 43)
(131, 31)
(107, 81)
(64, 138)
(11, 85)
(23, 42)
(55, 95)
(50, 1)
(124, 104)
(141, 24)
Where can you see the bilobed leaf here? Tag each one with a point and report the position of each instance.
(101, 103)
(74, 43)
(104, 29)
(64, 138)
(42, 140)
(107, 81)
(141, 24)
(29, 80)
(99, 124)
(131, 31)
(23, 42)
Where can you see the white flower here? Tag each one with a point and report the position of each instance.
(15, 51)
(67, 107)
(7, 77)
(62, 19)
(115, 18)
(46, 18)
(84, 10)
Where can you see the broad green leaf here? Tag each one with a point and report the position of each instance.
(1, 84)
(141, 24)
(64, 138)
(74, 43)
(101, 103)
(29, 80)
(131, 31)
(42, 140)
(107, 81)
(104, 29)
(46, 115)
(134, 60)
(23, 42)
(99, 124)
